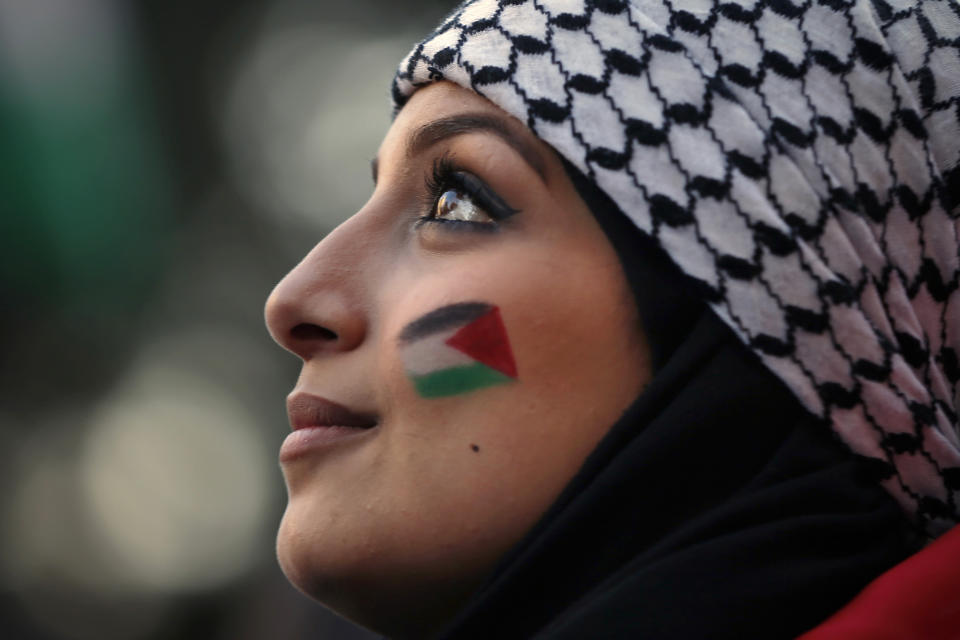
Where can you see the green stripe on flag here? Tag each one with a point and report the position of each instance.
(455, 380)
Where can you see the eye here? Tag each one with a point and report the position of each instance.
(458, 200)
(454, 204)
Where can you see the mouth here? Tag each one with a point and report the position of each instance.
(319, 424)
(306, 410)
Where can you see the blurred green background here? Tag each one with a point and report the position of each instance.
(162, 165)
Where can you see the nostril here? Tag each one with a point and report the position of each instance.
(305, 331)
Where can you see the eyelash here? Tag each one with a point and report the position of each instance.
(447, 175)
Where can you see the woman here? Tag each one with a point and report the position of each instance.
(728, 231)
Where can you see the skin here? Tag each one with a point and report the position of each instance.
(395, 529)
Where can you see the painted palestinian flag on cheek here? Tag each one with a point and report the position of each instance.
(457, 349)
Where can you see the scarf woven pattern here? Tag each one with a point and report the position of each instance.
(799, 160)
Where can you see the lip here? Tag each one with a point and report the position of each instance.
(318, 423)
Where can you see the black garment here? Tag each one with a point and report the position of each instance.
(716, 507)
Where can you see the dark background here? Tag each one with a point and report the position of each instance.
(162, 165)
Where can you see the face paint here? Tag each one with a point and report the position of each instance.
(457, 349)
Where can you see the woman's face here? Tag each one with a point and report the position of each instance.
(475, 319)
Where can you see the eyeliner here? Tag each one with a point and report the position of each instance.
(485, 196)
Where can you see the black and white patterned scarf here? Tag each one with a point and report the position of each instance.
(798, 159)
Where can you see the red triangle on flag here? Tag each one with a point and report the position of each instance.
(485, 340)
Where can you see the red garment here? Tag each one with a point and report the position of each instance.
(917, 599)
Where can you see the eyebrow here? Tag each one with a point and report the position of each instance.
(437, 131)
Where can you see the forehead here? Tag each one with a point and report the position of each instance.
(435, 101)
(444, 100)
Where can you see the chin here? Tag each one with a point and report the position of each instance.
(374, 592)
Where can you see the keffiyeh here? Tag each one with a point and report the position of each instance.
(799, 161)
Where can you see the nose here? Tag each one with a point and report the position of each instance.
(319, 307)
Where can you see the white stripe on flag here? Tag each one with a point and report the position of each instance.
(431, 354)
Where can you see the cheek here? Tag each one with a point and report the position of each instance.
(570, 313)
(571, 329)
(579, 344)
(571, 317)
